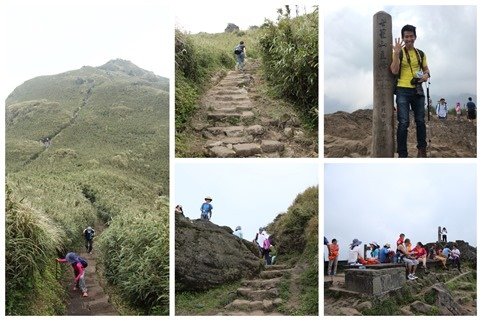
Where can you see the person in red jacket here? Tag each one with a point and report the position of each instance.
(333, 257)
(421, 255)
(79, 271)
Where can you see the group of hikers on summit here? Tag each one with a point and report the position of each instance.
(404, 253)
(410, 66)
(78, 263)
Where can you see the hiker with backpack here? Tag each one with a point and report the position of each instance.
(240, 53)
(410, 64)
(89, 234)
(238, 232)
(442, 109)
(206, 209)
(266, 248)
(259, 240)
(471, 113)
(79, 264)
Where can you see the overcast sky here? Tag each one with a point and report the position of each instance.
(249, 194)
(53, 36)
(447, 34)
(213, 16)
(377, 202)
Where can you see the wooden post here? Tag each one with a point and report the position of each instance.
(383, 144)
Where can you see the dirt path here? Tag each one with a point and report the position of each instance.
(97, 303)
(259, 296)
(237, 119)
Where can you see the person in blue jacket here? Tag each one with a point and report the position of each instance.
(206, 209)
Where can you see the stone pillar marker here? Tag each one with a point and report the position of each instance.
(439, 234)
(383, 124)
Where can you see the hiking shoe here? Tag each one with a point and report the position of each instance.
(85, 294)
(414, 277)
(410, 277)
(422, 152)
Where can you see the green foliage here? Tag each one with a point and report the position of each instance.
(31, 243)
(383, 307)
(198, 57)
(289, 49)
(140, 266)
(203, 303)
(109, 160)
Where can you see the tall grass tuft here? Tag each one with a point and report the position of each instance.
(32, 241)
(138, 258)
(289, 49)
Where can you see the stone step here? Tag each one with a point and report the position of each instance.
(238, 106)
(224, 140)
(262, 283)
(247, 305)
(245, 115)
(258, 295)
(246, 150)
(236, 131)
(272, 146)
(273, 274)
(230, 98)
(223, 91)
(221, 152)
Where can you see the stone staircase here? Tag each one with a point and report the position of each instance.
(233, 129)
(259, 296)
(97, 303)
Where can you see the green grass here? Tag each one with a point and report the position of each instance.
(109, 160)
(205, 303)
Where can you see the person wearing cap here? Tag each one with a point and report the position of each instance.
(355, 254)
(72, 258)
(374, 250)
(206, 209)
(442, 109)
(384, 254)
(238, 232)
(409, 260)
(471, 109)
(333, 257)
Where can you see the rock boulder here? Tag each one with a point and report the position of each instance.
(208, 255)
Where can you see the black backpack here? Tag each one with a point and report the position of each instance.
(83, 261)
(237, 50)
(397, 76)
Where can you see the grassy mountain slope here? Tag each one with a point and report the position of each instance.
(107, 162)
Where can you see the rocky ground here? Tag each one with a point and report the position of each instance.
(440, 292)
(350, 135)
(237, 118)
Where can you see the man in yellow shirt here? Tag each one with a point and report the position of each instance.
(413, 71)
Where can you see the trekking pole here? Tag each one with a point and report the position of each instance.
(429, 107)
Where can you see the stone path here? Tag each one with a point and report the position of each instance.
(233, 124)
(259, 296)
(97, 303)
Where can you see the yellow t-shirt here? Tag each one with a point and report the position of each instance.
(406, 73)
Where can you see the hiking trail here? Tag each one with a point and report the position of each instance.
(259, 296)
(97, 303)
(236, 119)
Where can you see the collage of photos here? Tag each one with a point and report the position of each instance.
(168, 159)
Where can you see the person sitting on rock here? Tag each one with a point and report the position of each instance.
(440, 257)
(386, 254)
(238, 232)
(455, 257)
(421, 255)
(206, 209)
(400, 240)
(374, 250)
(355, 254)
(409, 260)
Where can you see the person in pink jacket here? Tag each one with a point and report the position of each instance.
(79, 271)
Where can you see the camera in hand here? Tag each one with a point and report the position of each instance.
(414, 81)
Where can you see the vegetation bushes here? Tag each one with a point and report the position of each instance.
(137, 258)
(296, 238)
(289, 49)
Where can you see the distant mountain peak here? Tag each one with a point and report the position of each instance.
(129, 68)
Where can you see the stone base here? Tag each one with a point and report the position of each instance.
(374, 282)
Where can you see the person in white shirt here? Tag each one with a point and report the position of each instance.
(355, 253)
(442, 109)
(455, 256)
(238, 232)
(409, 260)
